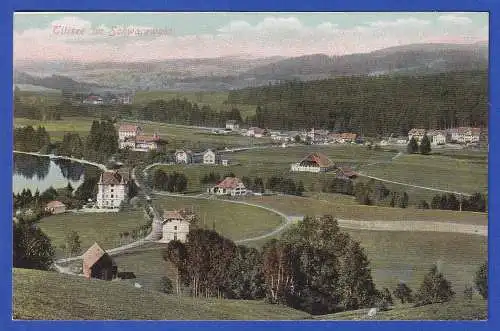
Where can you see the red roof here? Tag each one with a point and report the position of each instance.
(112, 178)
(230, 183)
(92, 255)
(153, 138)
(320, 159)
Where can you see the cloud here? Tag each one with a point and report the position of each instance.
(454, 19)
(286, 36)
(400, 22)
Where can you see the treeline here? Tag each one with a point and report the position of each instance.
(174, 182)
(27, 139)
(372, 106)
(476, 202)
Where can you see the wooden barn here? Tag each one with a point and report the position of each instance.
(98, 264)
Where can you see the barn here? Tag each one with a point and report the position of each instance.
(98, 264)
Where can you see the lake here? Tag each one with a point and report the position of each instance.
(36, 172)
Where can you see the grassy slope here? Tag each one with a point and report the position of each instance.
(231, 220)
(48, 295)
(457, 309)
(103, 228)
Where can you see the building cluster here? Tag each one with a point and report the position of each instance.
(95, 99)
(209, 157)
(132, 137)
(460, 135)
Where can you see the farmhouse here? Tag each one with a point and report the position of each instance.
(232, 125)
(175, 225)
(315, 162)
(112, 189)
(256, 132)
(418, 134)
(464, 135)
(93, 100)
(148, 143)
(55, 207)
(229, 186)
(183, 156)
(98, 264)
(128, 131)
(211, 157)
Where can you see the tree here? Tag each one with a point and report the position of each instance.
(297, 139)
(403, 202)
(412, 146)
(481, 280)
(425, 145)
(468, 291)
(434, 289)
(403, 293)
(176, 254)
(32, 247)
(423, 205)
(73, 243)
(166, 285)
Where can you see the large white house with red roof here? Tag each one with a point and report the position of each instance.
(229, 186)
(314, 162)
(128, 131)
(112, 189)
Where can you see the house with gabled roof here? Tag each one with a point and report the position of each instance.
(98, 264)
(112, 189)
(183, 156)
(175, 225)
(211, 157)
(229, 186)
(314, 162)
(55, 207)
(128, 131)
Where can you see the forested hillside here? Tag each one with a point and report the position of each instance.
(372, 105)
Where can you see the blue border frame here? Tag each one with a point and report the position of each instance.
(6, 17)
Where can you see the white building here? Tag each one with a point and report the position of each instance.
(128, 130)
(148, 143)
(464, 135)
(93, 100)
(229, 186)
(112, 189)
(182, 156)
(210, 157)
(437, 137)
(175, 225)
(232, 125)
(256, 132)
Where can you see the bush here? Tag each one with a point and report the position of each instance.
(403, 293)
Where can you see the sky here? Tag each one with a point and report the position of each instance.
(140, 37)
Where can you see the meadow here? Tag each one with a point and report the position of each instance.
(53, 296)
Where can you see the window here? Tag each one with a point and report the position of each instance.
(112, 190)
(112, 185)
(111, 196)
(175, 236)
(175, 227)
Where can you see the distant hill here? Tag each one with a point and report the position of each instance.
(53, 296)
(414, 58)
(55, 82)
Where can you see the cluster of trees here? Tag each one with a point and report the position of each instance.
(372, 106)
(182, 111)
(33, 110)
(338, 185)
(376, 193)
(27, 139)
(314, 267)
(214, 177)
(477, 202)
(424, 148)
(32, 248)
(174, 182)
(285, 185)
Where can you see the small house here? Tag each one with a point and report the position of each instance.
(211, 157)
(55, 207)
(184, 156)
(229, 186)
(175, 225)
(418, 134)
(256, 132)
(232, 125)
(98, 264)
(437, 137)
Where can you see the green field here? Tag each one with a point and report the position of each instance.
(216, 100)
(103, 228)
(337, 206)
(233, 221)
(457, 309)
(468, 173)
(52, 296)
